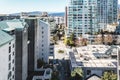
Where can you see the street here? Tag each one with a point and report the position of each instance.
(61, 61)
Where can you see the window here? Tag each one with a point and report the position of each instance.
(10, 57)
(51, 53)
(9, 49)
(13, 45)
(51, 48)
(13, 53)
(13, 69)
(9, 74)
(88, 72)
(9, 66)
(13, 61)
(42, 45)
(9, 43)
(42, 32)
(13, 76)
(42, 49)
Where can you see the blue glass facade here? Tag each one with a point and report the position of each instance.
(89, 16)
(107, 12)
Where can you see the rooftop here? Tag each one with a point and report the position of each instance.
(9, 25)
(94, 77)
(41, 73)
(46, 23)
(92, 56)
(4, 38)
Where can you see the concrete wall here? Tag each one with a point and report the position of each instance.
(21, 54)
(59, 20)
(37, 41)
(25, 54)
(4, 61)
(44, 41)
(32, 31)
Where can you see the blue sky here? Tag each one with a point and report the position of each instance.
(13, 6)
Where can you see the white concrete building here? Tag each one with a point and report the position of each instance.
(24, 14)
(59, 20)
(94, 59)
(44, 14)
(97, 39)
(7, 56)
(117, 31)
(46, 47)
(39, 38)
(18, 29)
(110, 28)
(44, 40)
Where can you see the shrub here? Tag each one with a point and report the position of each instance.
(60, 51)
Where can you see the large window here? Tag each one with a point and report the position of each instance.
(9, 66)
(10, 57)
(13, 61)
(9, 74)
(13, 69)
(13, 45)
(13, 53)
(13, 76)
(9, 49)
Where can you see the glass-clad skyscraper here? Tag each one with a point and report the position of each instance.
(90, 16)
(107, 12)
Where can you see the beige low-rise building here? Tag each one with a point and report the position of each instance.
(94, 59)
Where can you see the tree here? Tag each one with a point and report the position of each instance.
(72, 37)
(109, 75)
(67, 41)
(55, 76)
(98, 40)
(60, 51)
(71, 40)
(84, 42)
(108, 39)
(40, 63)
(77, 74)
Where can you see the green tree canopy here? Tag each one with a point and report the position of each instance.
(109, 75)
(77, 71)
